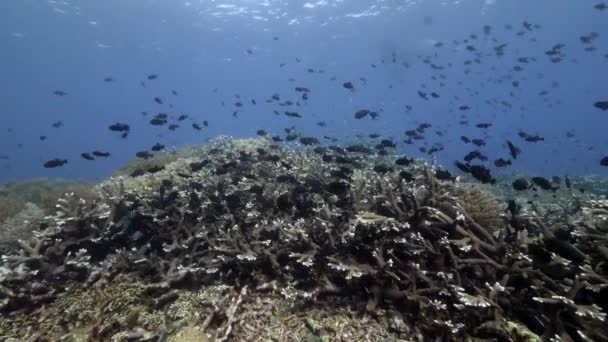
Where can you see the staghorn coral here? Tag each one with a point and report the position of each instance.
(20, 226)
(310, 225)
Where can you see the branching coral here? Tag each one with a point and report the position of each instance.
(311, 225)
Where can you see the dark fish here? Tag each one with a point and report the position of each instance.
(521, 184)
(144, 154)
(53, 163)
(361, 113)
(174, 92)
(348, 85)
(173, 127)
(475, 154)
(158, 100)
(87, 156)
(262, 133)
(108, 79)
(513, 151)
(603, 105)
(42, 137)
(567, 182)
(534, 138)
(158, 122)
(601, 6)
(544, 183)
(464, 107)
(152, 77)
(422, 95)
(60, 93)
(182, 117)
(479, 172)
(57, 124)
(119, 127)
(404, 161)
(466, 140)
(157, 147)
(444, 175)
(250, 51)
(483, 125)
(478, 142)
(500, 162)
(322, 124)
(482, 174)
(293, 114)
(307, 141)
(604, 161)
(101, 154)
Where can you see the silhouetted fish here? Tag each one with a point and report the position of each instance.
(101, 154)
(87, 156)
(157, 147)
(53, 163)
(603, 105)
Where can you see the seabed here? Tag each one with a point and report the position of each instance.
(245, 240)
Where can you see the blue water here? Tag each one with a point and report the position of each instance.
(200, 49)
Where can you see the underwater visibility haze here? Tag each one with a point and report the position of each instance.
(319, 170)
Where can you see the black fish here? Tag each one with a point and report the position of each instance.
(422, 95)
(475, 154)
(404, 161)
(157, 147)
(87, 156)
(42, 137)
(119, 127)
(521, 184)
(101, 154)
(108, 79)
(478, 142)
(53, 163)
(603, 105)
(544, 183)
(182, 117)
(513, 151)
(361, 113)
(158, 100)
(500, 162)
(482, 174)
(466, 140)
(464, 108)
(348, 85)
(152, 77)
(158, 122)
(601, 6)
(444, 175)
(196, 126)
(262, 133)
(567, 182)
(307, 141)
(534, 138)
(293, 114)
(57, 124)
(604, 161)
(173, 127)
(174, 92)
(483, 125)
(60, 93)
(144, 154)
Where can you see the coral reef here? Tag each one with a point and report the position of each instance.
(395, 244)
